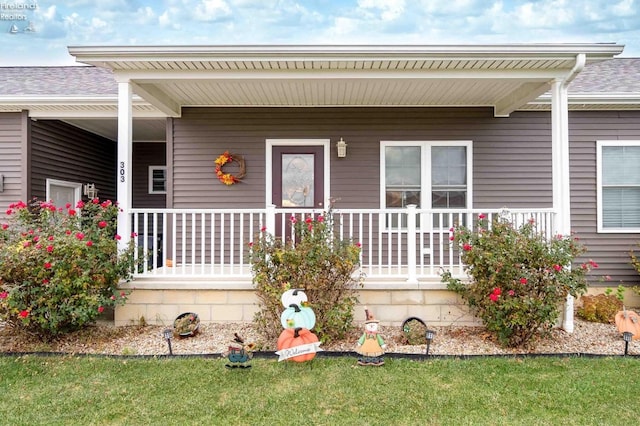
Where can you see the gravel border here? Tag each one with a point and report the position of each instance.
(103, 338)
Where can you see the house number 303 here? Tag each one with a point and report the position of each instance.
(122, 171)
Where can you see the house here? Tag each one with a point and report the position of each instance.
(406, 141)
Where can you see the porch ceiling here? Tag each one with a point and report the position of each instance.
(504, 77)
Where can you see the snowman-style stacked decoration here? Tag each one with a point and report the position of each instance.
(297, 342)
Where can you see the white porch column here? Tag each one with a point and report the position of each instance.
(125, 148)
(561, 176)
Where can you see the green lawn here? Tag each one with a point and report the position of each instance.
(60, 390)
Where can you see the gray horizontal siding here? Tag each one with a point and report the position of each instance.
(512, 156)
(64, 152)
(147, 154)
(11, 158)
(610, 251)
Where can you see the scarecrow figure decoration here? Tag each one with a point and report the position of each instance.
(239, 354)
(370, 345)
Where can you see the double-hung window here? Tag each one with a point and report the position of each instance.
(618, 186)
(427, 174)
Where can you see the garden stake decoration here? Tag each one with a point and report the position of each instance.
(297, 342)
(239, 354)
(370, 345)
(628, 321)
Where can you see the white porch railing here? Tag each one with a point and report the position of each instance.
(404, 244)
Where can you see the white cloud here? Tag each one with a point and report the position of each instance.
(388, 9)
(625, 8)
(211, 10)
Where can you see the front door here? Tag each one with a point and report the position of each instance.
(298, 177)
(298, 182)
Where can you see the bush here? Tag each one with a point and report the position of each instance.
(318, 262)
(518, 278)
(60, 267)
(599, 308)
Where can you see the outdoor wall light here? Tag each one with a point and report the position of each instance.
(341, 146)
(90, 190)
(626, 336)
(1, 183)
(429, 335)
(167, 334)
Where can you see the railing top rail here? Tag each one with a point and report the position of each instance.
(347, 210)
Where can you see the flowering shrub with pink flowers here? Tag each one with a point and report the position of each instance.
(318, 261)
(518, 279)
(60, 266)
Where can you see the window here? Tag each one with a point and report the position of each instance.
(157, 179)
(430, 174)
(618, 186)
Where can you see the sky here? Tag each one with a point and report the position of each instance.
(42, 30)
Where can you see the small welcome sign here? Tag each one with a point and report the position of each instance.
(297, 351)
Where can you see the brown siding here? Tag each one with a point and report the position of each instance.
(512, 156)
(610, 251)
(145, 155)
(11, 158)
(61, 151)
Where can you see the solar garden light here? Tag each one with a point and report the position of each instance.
(167, 334)
(626, 336)
(429, 335)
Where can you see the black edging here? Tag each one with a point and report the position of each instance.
(325, 354)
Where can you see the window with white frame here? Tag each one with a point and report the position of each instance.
(618, 186)
(428, 174)
(157, 179)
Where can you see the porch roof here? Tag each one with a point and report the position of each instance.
(505, 77)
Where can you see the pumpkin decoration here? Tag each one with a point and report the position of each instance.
(628, 321)
(291, 338)
(294, 296)
(298, 316)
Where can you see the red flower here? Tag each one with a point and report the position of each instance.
(68, 232)
(320, 218)
(293, 219)
(250, 244)
(358, 245)
(112, 297)
(72, 212)
(47, 265)
(593, 264)
(512, 293)
(5, 225)
(308, 220)
(481, 216)
(80, 236)
(4, 295)
(523, 281)
(118, 237)
(558, 268)
(493, 297)
(49, 249)
(80, 204)
(26, 244)
(497, 291)
(50, 238)
(36, 239)
(67, 206)
(9, 212)
(466, 247)
(100, 309)
(24, 314)
(263, 229)
(102, 224)
(106, 204)
(89, 243)
(95, 201)
(123, 294)
(45, 281)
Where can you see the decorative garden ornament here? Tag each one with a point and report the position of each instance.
(294, 296)
(628, 321)
(371, 345)
(297, 344)
(298, 316)
(238, 353)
